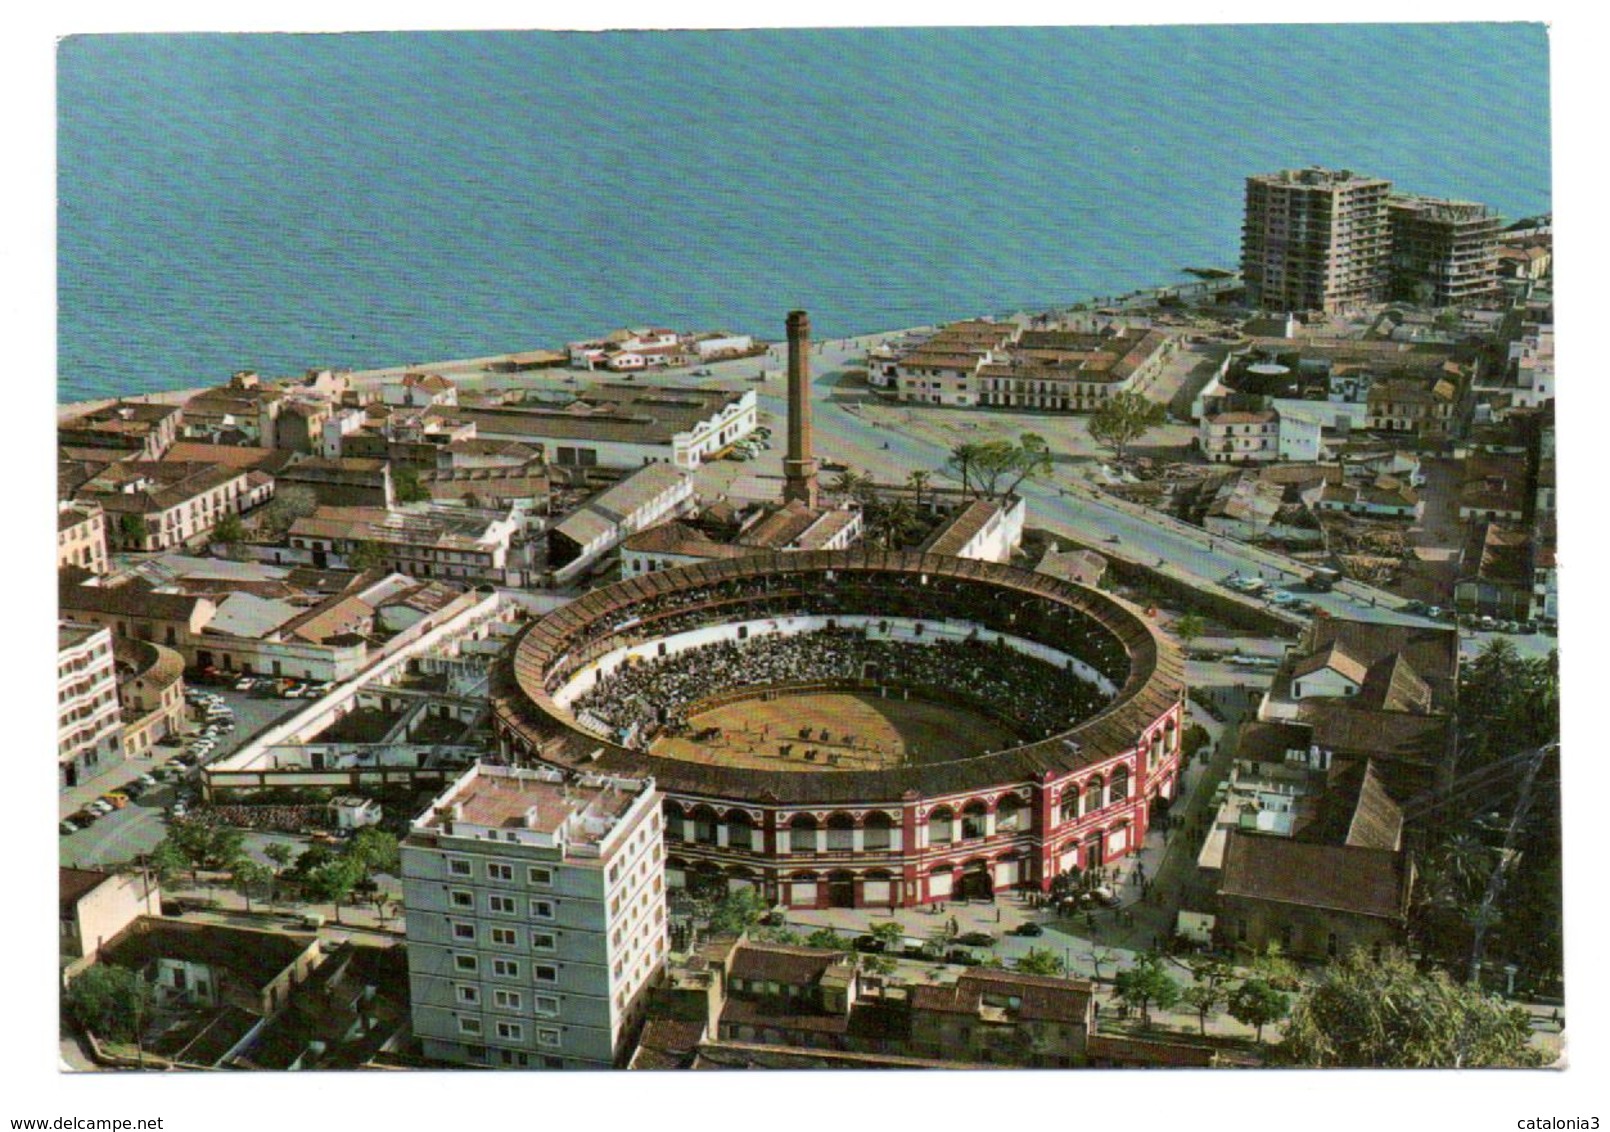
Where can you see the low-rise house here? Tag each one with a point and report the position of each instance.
(347, 481)
(420, 391)
(1085, 567)
(1497, 575)
(150, 693)
(640, 500)
(98, 906)
(1384, 497)
(1423, 407)
(209, 966)
(1494, 488)
(81, 536)
(421, 540)
(795, 525)
(139, 428)
(989, 530)
(668, 545)
(153, 506)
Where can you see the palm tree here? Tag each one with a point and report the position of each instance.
(918, 480)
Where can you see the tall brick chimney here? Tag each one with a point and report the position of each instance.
(799, 466)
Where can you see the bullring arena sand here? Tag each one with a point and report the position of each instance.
(847, 731)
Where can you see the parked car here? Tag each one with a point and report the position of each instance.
(65, 828)
(132, 790)
(976, 939)
(115, 798)
(147, 779)
(245, 684)
(962, 957)
(1029, 929)
(870, 943)
(84, 817)
(100, 807)
(1412, 607)
(1105, 895)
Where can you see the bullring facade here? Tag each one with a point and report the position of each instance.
(910, 833)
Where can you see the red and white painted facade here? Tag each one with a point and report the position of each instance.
(923, 849)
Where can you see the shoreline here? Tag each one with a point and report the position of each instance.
(1141, 297)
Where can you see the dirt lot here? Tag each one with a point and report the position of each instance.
(865, 733)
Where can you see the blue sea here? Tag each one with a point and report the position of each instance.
(283, 201)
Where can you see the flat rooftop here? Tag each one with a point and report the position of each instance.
(578, 811)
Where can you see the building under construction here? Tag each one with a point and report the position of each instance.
(1444, 252)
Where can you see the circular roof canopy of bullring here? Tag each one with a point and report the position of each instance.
(1109, 634)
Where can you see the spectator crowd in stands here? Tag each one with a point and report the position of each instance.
(1034, 698)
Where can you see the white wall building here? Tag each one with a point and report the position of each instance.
(89, 723)
(536, 917)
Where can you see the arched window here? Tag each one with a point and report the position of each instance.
(1093, 795)
(740, 830)
(940, 827)
(840, 832)
(704, 825)
(876, 830)
(1070, 803)
(973, 818)
(673, 821)
(1119, 788)
(1010, 815)
(802, 834)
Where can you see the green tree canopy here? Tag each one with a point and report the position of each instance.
(1124, 418)
(109, 1002)
(1041, 961)
(229, 530)
(406, 486)
(737, 912)
(1257, 1004)
(1147, 984)
(1385, 1013)
(828, 940)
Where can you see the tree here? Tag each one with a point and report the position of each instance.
(248, 876)
(893, 522)
(888, 933)
(406, 486)
(1100, 957)
(1364, 1012)
(375, 850)
(853, 485)
(1189, 627)
(1146, 984)
(1124, 418)
(1031, 459)
(828, 940)
(918, 479)
(1204, 999)
(333, 882)
(279, 855)
(874, 964)
(110, 1002)
(1275, 969)
(366, 555)
(960, 462)
(229, 530)
(1255, 1003)
(1041, 961)
(166, 861)
(290, 504)
(206, 845)
(737, 912)
(130, 532)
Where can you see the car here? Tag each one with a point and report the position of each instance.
(702, 371)
(65, 828)
(245, 684)
(132, 789)
(100, 807)
(1281, 597)
(226, 726)
(1105, 895)
(115, 798)
(292, 692)
(147, 780)
(976, 939)
(962, 957)
(178, 810)
(1028, 929)
(84, 817)
(1412, 607)
(870, 944)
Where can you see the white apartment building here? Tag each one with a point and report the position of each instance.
(536, 917)
(89, 725)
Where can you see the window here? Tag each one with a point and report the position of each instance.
(458, 866)
(506, 999)
(546, 973)
(543, 941)
(546, 1005)
(463, 931)
(463, 899)
(504, 937)
(547, 1037)
(503, 904)
(511, 1031)
(466, 963)
(539, 876)
(468, 995)
(500, 872)
(541, 909)
(469, 1025)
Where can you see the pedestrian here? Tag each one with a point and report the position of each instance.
(997, 915)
